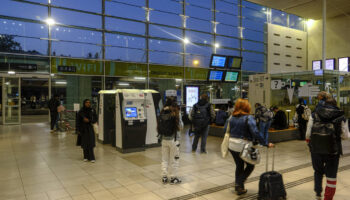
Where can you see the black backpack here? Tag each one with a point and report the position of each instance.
(166, 124)
(201, 116)
(324, 137)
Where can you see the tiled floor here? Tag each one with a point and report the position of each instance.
(35, 164)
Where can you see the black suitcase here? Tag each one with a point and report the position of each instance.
(271, 186)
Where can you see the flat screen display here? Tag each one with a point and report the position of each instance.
(316, 64)
(130, 112)
(319, 72)
(215, 75)
(234, 62)
(192, 97)
(344, 64)
(330, 64)
(218, 61)
(231, 76)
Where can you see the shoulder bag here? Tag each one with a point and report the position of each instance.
(250, 154)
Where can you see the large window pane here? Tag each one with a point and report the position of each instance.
(125, 26)
(254, 57)
(127, 11)
(254, 35)
(12, 27)
(125, 54)
(202, 60)
(228, 42)
(197, 37)
(23, 45)
(76, 35)
(76, 18)
(279, 17)
(296, 22)
(227, 30)
(253, 66)
(24, 10)
(230, 8)
(227, 19)
(165, 32)
(254, 25)
(166, 5)
(228, 52)
(162, 45)
(254, 14)
(132, 2)
(254, 46)
(200, 25)
(69, 49)
(166, 18)
(165, 58)
(202, 13)
(202, 3)
(90, 5)
(125, 41)
(252, 5)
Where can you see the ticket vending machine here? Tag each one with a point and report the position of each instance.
(131, 121)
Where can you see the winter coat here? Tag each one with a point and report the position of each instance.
(329, 114)
(86, 130)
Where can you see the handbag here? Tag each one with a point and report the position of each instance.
(250, 154)
(225, 141)
(95, 127)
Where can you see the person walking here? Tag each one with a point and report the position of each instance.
(325, 129)
(53, 104)
(201, 115)
(301, 116)
(86, 118)
(242, 128)
(263, 117)
(169, 126)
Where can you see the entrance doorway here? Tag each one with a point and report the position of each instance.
(24, 99)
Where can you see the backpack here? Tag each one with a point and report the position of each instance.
(306, 114)
(265, 114)
(200, 116)
(268, 114)
(324, 137)
(166, 124)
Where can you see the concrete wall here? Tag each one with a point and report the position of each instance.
(338, 40)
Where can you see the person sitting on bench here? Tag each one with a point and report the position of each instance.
(279, 120)
(221, 116)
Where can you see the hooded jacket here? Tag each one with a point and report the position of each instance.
(325, 117)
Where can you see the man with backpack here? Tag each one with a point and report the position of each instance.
(169, 125)
(201, 115)
(301, 116)
(263, 117)
(325, 129)
(53, 104)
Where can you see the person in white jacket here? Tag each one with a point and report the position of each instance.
(326, 128)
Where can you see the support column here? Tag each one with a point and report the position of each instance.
(324, 35)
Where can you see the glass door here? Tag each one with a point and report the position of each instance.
(11, 98)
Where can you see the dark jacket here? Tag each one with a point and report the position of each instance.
(53, 105)
(324, 116)
(221, 117)
(86, 130)
(239, 129)
(211, 112)
(279, 121)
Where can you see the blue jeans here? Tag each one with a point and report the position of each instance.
(264, 130)
(204, 134)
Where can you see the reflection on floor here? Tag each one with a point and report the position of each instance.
(38, 165)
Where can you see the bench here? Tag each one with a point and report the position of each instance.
(291, 133)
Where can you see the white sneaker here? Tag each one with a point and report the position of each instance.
(93, 161)
(85, 160)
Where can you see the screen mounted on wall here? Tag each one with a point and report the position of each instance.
(231, 76)
(330, 64)
(343, 64)
(316, 64)
(218, 61)
(234, 62)
(191, 97)
(215, 75)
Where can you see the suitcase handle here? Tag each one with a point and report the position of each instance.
(273, 158)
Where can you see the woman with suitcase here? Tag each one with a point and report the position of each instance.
(242, 129)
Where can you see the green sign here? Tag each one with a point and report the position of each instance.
(196, 73)
(125, 69)
(90, 67)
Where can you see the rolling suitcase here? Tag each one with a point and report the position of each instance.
(271, 186)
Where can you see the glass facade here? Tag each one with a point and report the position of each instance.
(148, 33)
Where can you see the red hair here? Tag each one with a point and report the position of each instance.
(242, 107)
